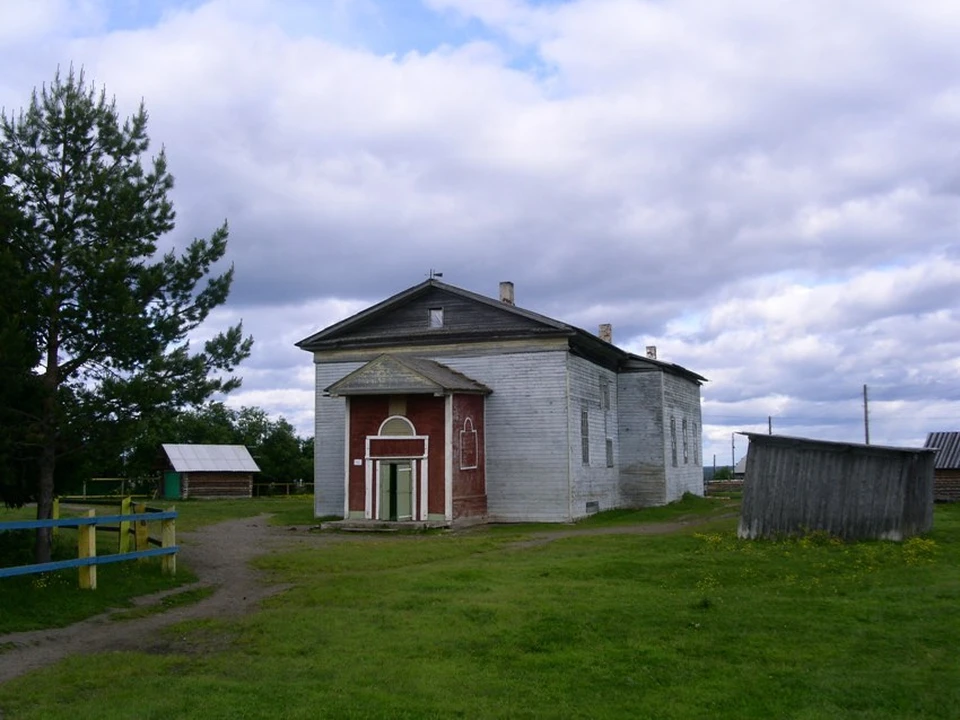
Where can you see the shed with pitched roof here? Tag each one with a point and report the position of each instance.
(207, 471)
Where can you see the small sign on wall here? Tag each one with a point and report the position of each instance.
(358, 462)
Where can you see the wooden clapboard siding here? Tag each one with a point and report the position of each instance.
(461, 316)
(328, 448)
(215, 485)
(643, 447)
(946, 485)
(681, 400)
(795, 485)
(527, 473)
(594, 482)
(441, 349)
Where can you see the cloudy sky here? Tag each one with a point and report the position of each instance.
(769, 191)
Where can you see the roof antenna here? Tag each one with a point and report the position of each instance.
(435, 274)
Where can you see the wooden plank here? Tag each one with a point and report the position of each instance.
(168, 533)
(82, 562)
(124, 544)
(80, 521)
(87, 548)
(141, 530)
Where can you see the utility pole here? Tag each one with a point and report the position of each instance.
(769, 425)
(866, 416)
(733, 452)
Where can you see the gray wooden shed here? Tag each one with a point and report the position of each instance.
(794, 485)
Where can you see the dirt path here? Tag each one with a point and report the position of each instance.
(220, 556)
(661, 528)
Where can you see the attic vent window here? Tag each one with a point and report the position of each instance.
(436, 318)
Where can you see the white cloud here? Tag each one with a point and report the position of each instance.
(768, 192)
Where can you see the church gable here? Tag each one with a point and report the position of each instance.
(435, 311)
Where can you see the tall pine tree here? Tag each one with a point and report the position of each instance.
(111, 319)
(18, 357)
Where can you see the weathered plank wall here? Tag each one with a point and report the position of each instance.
(722, 486)
(681, 404)
(460, 315)
(946, 486)
(595, 485)
(527, 472)
(640, 420)
(216, 485)
(328, 446)
(794, 485)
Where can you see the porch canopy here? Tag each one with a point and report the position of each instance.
(405, 375)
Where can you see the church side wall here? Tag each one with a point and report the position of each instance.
(643, 478)
(593, 422)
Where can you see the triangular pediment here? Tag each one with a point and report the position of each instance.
(394, 375)
(408, 317)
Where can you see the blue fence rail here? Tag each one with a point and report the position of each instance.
(87, 543)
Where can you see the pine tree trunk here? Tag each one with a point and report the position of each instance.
(43, 546)
(48, 453)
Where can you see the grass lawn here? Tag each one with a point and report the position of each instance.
(32, 602)
(691, 625)
(286, 510)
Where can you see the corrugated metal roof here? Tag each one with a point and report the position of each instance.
(389, 374)
(947, 445)
(210, 458)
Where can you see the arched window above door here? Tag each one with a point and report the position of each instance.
(397, 426)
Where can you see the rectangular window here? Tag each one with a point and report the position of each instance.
(609, 452)
(585, 437)
(686, 444)
(673, 439)
(604, 394)
(436, 317)
(696, 446)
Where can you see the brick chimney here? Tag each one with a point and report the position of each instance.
(606, 332)
(506, 292)
(652, 352)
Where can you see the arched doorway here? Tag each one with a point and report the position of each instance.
(395, 477)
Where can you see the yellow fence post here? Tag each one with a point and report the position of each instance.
(88, 548)
(168, 537)
(124, 546)
(56, 515)
(142, 532)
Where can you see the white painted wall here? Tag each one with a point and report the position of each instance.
(593, 482)
(681, 400)
(642, 443)
(526, 433)
(329, 443)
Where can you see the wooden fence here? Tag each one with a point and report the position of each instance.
(275, 488)
(129, 525)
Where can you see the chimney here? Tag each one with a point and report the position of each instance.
(506, 292)
(652, 352)
(606, 332)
